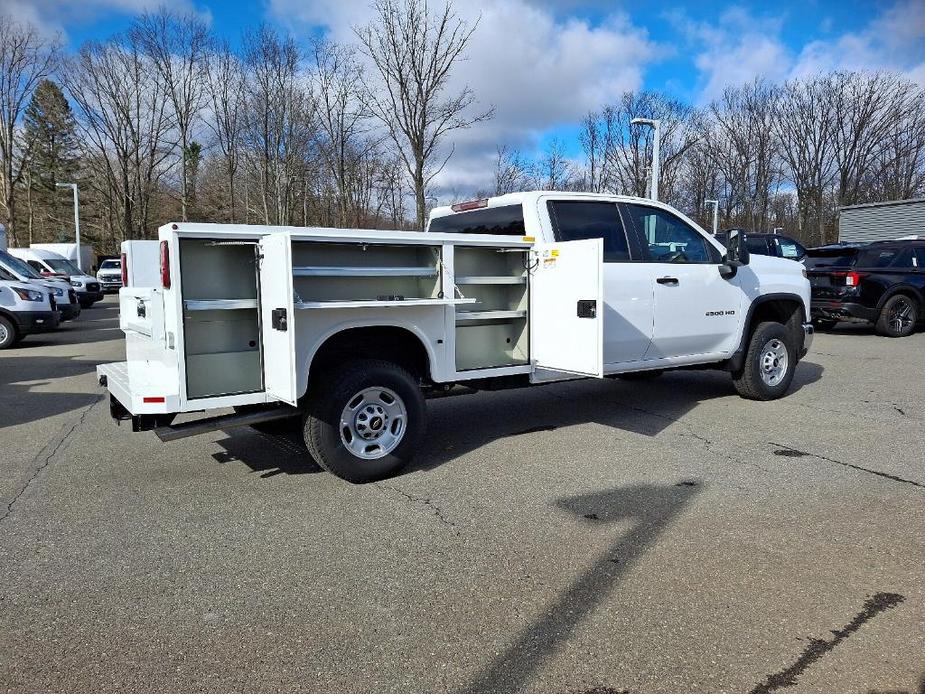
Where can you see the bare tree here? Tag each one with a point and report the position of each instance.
(342, 120)
(414, 50)
(512, 172)
(804, 123)
(25, 60)
(178, 45)
(225, 86)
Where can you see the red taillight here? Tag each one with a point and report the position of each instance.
(852, 279)
(154, 399)
(165, 265)
(470, 205)
(124, 270)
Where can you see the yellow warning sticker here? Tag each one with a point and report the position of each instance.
(529, 239)
(554, 253)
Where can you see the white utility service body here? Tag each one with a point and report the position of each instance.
(256, 316)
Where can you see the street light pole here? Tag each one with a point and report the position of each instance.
(73, 187)
(715, 204)
(655, 123)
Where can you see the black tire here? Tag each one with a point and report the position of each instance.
(86, 304)
(898, 316)
(8, 334)
(322, 429)
(750, 382)
(641, 375)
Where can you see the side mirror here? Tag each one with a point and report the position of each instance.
(737, 252)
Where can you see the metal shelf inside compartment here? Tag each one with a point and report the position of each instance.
(492, 279)
(357, 271)
(218, 304)
(466, 316)
(384, 303)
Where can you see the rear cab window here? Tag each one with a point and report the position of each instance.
(575, 220)
(506, 220)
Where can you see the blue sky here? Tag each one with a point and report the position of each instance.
(544, 63)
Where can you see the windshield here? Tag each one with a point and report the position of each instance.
(18, 266)
(111, 265)
(63, 265)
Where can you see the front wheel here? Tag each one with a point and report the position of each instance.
(770, 362)
(8, 336)
(366, 421)
(85, 304)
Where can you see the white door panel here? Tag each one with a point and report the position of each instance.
(566, 325)
(276, 317)
(696, 311)
(629, 301)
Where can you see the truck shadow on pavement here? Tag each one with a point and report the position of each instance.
(458, 425)
(461, 424)
(651, 508)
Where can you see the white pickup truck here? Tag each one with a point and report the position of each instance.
(347, 331)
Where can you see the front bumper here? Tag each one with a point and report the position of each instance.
(90, 296)
(809, 332)
(826, 309)
(29, 322)
(69, 311)
(109, 285)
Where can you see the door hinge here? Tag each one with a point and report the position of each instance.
(279, 320)
(587, 308)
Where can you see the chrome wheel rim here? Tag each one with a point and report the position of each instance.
(373, 423)
(773, 362)
(901, 315)
(4, 334)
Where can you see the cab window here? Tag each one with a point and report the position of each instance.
(668, 238)
(36, 265)
(573, 220)
(788, 248)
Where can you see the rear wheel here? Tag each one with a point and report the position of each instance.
(898, 316)
(8, 335)
(769, 364)
(366, 421)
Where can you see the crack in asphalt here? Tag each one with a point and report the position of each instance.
(56, 446)
(425, 502)
(796, 452)
(816, 648)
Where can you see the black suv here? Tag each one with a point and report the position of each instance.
(882, 283)
(775, 245)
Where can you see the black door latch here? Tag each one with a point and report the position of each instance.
(278, 320)
(587, 308)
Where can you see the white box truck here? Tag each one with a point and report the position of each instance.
(347, 331)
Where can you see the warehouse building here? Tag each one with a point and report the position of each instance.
(881, 221)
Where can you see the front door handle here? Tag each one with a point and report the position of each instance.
(670, 281)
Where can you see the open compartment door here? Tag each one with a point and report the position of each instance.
(277, 324)
(567, 310)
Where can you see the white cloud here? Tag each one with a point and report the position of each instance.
(894, 40)
(737, 49)
(52, 16)
(538, 71)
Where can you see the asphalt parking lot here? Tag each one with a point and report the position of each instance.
(586, 537)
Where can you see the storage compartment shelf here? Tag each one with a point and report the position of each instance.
(384, 303)
(331, 271)
(218, 304)
(492, 279)
(465, 316)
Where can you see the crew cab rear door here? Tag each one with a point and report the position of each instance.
(566, 310)
(276, 317)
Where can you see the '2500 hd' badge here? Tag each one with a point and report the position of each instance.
(721, 313)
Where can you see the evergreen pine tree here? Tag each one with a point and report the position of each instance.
(50, 126)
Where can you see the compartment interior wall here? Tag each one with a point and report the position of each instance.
(353, 259)
(222, 346)
(497, 280)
